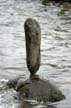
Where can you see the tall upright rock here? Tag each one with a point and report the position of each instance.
(33, 40)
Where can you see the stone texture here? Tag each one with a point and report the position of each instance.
(34, 87)
(40, 90)
(33, 40)
(37, 89)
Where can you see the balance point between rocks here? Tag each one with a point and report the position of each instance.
(35, 87)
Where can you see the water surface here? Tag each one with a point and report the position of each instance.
(55, 47)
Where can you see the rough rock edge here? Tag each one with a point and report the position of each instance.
(37, 89)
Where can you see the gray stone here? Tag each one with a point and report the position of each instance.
(40, 90)
(34, 87)
(37, 89)
(33, 40)
(12, 83)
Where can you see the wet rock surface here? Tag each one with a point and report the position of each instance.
(37, 89)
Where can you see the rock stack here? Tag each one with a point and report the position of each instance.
(35, 87)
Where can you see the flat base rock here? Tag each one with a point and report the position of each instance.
(37, 89)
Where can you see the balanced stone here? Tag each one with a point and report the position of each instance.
(34, 87)
(33, 40)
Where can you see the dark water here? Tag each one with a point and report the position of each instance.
(55, 22)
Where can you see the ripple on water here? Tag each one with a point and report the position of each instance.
(7, 96)
(55, 46)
